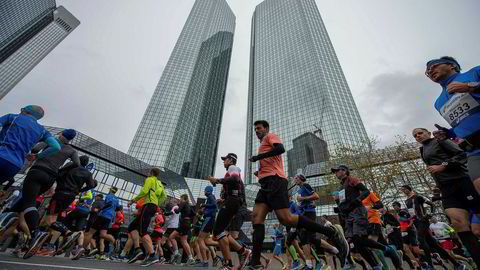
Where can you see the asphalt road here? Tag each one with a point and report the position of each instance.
(8, 262)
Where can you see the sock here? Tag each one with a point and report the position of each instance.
(309, 263)
(257, 239)
(31, 218)
(122, 253)
(293, 252)
(190, 257)
(310, 225)
(470, 241)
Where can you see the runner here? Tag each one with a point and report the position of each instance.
(391, 219)
(278, 239)
(152, 194)
(70, 183)
(234, 194)
(40, 178)
(19, 134)
(173, 218)
(459, 104)
(307, 209)
(373, 205)
(184, 227)
(443, 233)
(356, 218)
(415, 205)
(273, 196)
(446, 163)
(209, 215)
(102, 222)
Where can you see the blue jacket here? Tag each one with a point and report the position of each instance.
(462, 115)
(111, 203)
(210, 206)
(18, 136)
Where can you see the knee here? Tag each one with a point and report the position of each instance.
(287, 220)
(459, 224)
(476, 230)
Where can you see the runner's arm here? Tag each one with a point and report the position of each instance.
(6, 120)
(457, 156)
(53, 148)
(277, 150)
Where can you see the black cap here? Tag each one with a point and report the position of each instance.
(230, 156)
(340, 167)
(301, 177)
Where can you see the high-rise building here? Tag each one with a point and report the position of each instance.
(181, 126)
(307, 149)
(29, 30)
(296, 81)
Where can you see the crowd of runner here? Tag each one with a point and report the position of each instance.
(57, 210)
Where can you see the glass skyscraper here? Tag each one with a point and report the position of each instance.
(296, 82)
(29, 30)
(180, 128)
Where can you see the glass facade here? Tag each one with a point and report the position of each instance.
(181, 126)
(296, 81)
(29, 30)
(115, 168)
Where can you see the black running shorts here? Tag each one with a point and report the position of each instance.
(273, 192)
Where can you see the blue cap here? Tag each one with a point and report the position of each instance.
(208, 189)
(69, 134)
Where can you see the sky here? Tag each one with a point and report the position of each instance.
(99, 80)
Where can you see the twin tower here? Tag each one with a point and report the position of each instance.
(295, 83)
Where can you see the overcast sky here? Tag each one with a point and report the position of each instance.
(100, 78)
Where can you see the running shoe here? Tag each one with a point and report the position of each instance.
(101, 257)
(176, 259)
(35, 243)
(190, 262)
(9, 223)
(136, 256)
(152, 259)
(243, 258)
(162, 260)
(92, 253)
(201, 264)
(68, 243)
(460, 267)
(297, 264)
(378, 267)
(307, 268)
(217, 260)
(339, 241)
(78, 254)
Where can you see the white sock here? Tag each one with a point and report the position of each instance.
(309, 263)
(176, 252)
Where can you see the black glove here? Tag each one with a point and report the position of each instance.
(253, 158)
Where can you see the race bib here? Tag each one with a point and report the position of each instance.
(341, 195)
(458, 107)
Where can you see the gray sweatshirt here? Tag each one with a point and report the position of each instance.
(436, 152)
(55, 161)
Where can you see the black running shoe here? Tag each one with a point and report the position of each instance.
(339, 241)
(35, 243)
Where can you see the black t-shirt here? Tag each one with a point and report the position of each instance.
(350, 197)
(185, 210)
(415, 206)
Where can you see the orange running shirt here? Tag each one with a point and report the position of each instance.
(272, 165)
(373, 214)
